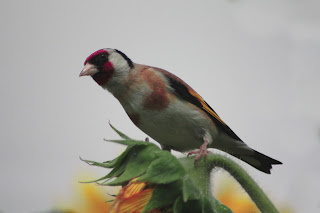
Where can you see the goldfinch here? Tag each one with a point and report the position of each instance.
(167, 109)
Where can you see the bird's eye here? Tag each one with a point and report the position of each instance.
(103, 56)
(99, 59)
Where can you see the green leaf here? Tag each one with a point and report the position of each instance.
(178, 205)
(122, 135)
(165, 169)
(118, 170)
(139, 159)
(206, 205)
(190, 191)
(163, 195)
(221, 208)
(130, 142)
(93, 181)
(94, 163)
(117, 161)
(191, 206)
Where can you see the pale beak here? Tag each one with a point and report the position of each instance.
(89, 69)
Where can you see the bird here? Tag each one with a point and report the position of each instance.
(167, 109)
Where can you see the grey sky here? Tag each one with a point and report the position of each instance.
(255, 62)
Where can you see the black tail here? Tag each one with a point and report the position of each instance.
(258, 161)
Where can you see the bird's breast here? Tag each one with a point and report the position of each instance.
(180, 125)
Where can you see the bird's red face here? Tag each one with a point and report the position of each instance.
(99, 67)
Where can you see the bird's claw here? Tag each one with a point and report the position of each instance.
(202, 151)
(193, 152)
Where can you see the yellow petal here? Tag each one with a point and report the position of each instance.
(133, 188)
(134, 203)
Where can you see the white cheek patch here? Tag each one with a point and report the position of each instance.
(121, 73)
(121, 68)
(118, 62)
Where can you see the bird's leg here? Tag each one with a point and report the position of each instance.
(202, 151)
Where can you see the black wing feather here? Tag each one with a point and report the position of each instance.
(183, 92)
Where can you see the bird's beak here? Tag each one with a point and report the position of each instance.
(89, 69)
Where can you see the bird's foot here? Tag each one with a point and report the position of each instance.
(202, 151)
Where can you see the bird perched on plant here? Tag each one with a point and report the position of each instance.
(167, 109)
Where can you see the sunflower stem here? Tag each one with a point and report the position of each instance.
(201, 176)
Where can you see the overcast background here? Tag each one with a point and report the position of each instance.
(255, 62)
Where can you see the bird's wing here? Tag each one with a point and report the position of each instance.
(185, 92)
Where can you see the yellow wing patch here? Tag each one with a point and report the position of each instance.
(205, 106)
